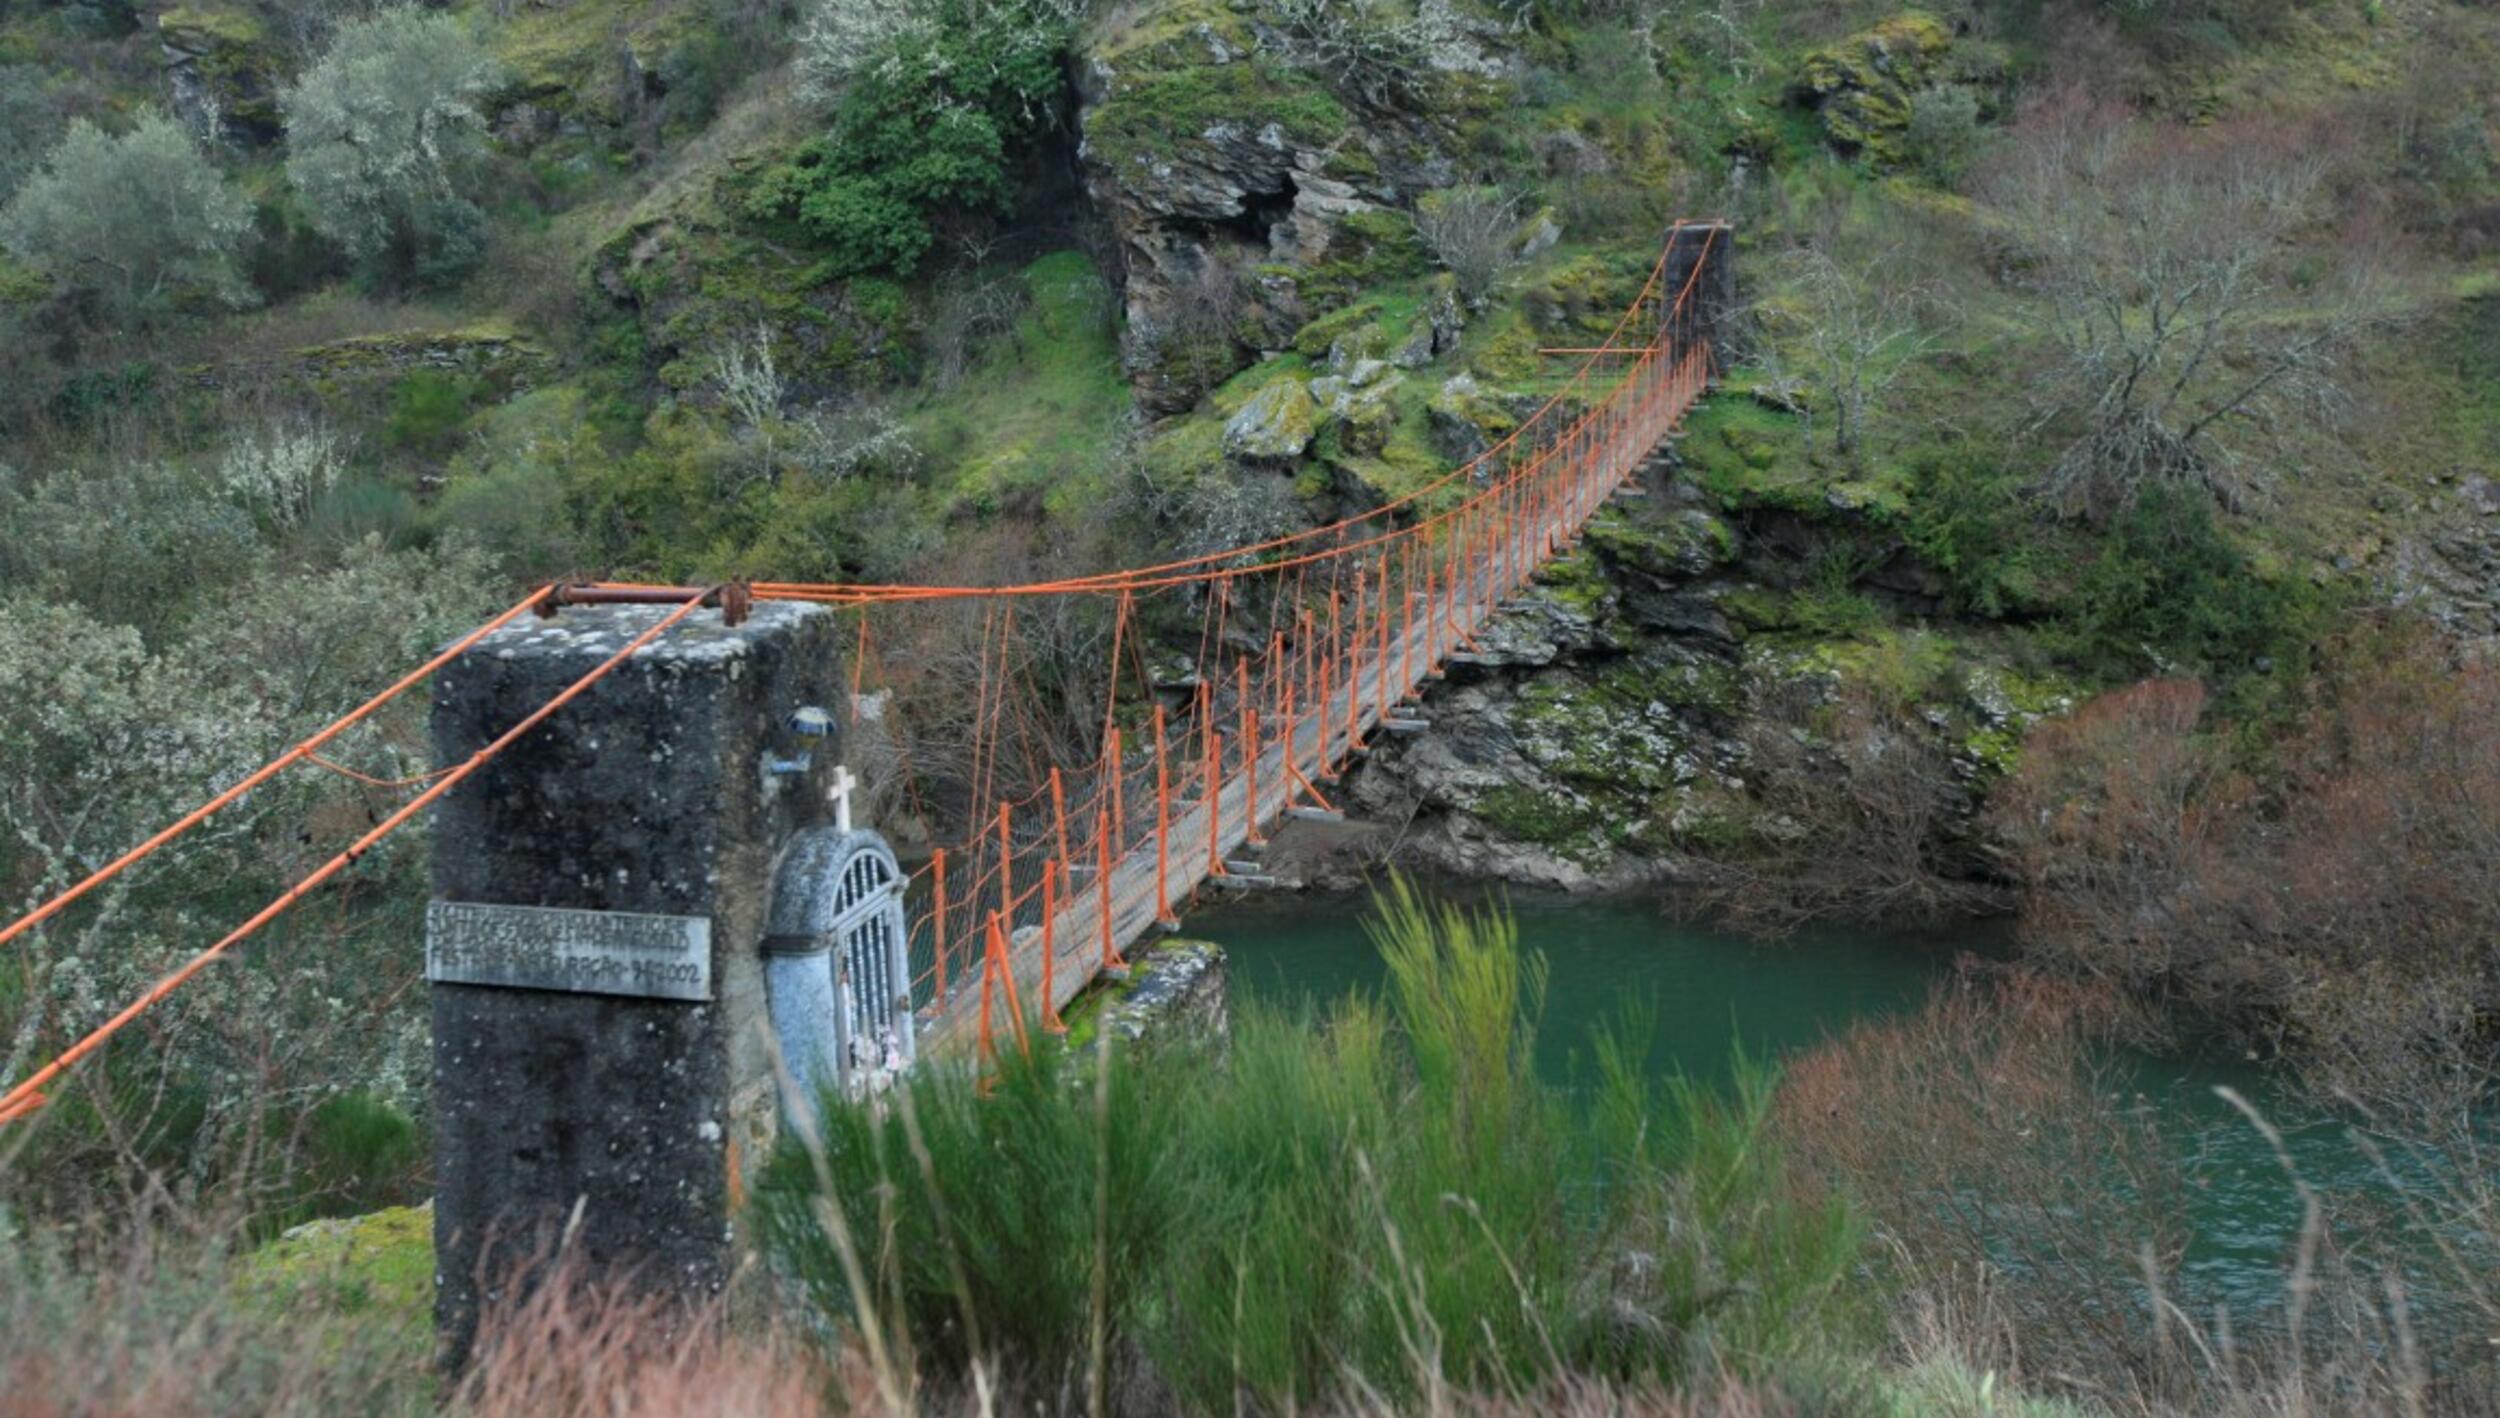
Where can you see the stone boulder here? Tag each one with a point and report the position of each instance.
(1359, 400)
(1863, 87)
(1467, 420)
(222, 65)
(1276, 425)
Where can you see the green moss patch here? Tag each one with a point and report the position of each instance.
(1157, 106)
(1031, 418)
(379, 1265)
(1864, 86)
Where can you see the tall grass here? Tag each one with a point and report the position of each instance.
(1381, 1204)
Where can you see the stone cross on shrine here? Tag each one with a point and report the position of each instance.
(838, 793)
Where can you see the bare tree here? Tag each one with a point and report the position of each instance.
(1473, 232)
(1854, 324)
(2165, 266)
(1857, 809)
(967, 315)
(1383, 50)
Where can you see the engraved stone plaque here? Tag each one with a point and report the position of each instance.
(581, 952)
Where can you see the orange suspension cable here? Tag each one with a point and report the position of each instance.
(938, 864)
(28, 1096)
(271, 769)
(1059, 811)
(1215, 801)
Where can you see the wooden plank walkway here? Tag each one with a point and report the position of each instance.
(1604, 449)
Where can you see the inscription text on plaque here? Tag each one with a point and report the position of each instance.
(582, 952)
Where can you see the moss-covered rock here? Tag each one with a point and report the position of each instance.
(1276, 425)
(1686, 542)
(380, 1264)
(586, 63)
(222, 60)
(491, 353)
(1466, 420)
(1865, 85)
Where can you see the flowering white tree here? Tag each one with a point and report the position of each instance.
(142, 219)
(839, 40)
(385, 133)
(281, 469)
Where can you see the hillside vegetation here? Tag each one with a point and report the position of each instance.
(2099, 516)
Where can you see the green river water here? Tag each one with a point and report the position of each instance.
(1709, 989)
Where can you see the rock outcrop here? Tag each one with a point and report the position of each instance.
(223, 69)
(1276, 425)
(1250, 197)
(1866, 87)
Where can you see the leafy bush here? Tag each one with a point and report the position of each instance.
(929, 106)
(130, 546)
(1391, 1198)
(428, 410)
(1943, 134)
(142, 219)
(109, 734)
(2165, 582)
(29, 124)
(384, 136)
(2163, 585)
(90, 394)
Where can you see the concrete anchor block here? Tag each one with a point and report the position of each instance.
(587, 1105)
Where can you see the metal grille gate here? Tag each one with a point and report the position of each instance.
(835, 972)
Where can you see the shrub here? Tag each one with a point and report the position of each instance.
(2332, 907)
(1859, 810)
(130, 546)
(1990, 1138)
(2037, 1214)
(384, 135)
(2164, 582)
(428, 410)
(1392, 1201)
(141, 219)
(929, 105)
(1943, 134)
(29, 124)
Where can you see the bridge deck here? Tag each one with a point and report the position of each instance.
(1604, 450)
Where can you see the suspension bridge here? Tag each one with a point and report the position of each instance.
(1311, 644)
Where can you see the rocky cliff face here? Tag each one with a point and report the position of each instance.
(1246, 195)
(1596, 737)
